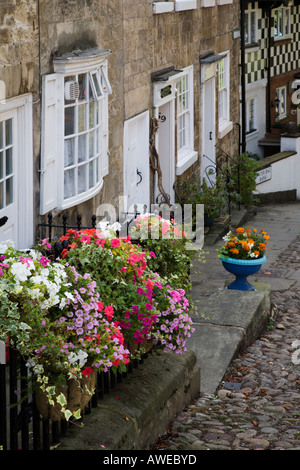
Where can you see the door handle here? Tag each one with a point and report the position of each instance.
(210, 136)
(140, 175)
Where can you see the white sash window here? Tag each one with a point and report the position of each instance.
(225, 125)
(74, 130)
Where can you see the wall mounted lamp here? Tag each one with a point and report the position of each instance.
(275, 103)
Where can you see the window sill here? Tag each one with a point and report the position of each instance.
(281, 41)
(208, 3)
(181, 5)
(251, 135)
(162, 7)
(74, 201)
(224, 128)
(224, 2)
(185, 162)
(251, 48)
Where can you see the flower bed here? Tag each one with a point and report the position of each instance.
(91, 310)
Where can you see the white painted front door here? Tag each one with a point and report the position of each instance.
(136, 163)
(208, 130)
(8, 178)
(16, 171)
(166, 149)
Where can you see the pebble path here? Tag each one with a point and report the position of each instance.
(257, 405)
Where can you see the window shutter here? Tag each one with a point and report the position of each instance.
(49, 146)
(105, 156)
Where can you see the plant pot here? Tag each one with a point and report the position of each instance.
(144, 347)
(78, 393)
(242, 269)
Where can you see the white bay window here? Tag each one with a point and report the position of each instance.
(74, 130)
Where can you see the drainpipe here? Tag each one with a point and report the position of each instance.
(269, 10)
(243, 82)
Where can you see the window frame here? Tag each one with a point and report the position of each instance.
(224, 123)
(92, 137)
(251, 15)
(249, 129)
(282, 91)
(186, 155)
(286, 14)
(65, 67)
(22, 107)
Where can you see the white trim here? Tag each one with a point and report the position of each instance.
(186, 155)
(224, 2)
(65, 66)
(82, 61)
(223, 130)
(75, 200)
(157, 87)
(208, 3)
(181, 5)
(162, 7)
(22, 105)
(255, 85)
(224, 123)
(144, 119)
(186, 162)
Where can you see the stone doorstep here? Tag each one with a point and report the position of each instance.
(139, 410)
(223, 225)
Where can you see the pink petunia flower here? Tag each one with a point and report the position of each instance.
(115, 242)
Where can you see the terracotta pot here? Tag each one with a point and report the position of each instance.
(146, 345)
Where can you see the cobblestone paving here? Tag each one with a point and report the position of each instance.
(257, 406)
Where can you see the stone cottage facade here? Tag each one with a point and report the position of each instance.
(83, 82)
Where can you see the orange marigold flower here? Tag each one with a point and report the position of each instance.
(240, 230)
(246, 247)
(234, 251)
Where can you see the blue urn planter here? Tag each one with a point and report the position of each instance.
(242, 269)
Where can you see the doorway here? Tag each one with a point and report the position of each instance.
(136, 164)
(208, 131)
(16, 163)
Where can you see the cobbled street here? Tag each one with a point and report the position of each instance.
(257, 405)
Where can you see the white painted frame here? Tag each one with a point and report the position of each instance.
(145, 120)
(162, 7)
(181, 5)
(65, 66)
(187, 156)
(225, 125)
(22, 105)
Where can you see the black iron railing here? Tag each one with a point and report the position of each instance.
(21, 425)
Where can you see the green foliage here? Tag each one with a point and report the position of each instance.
(214, 198)
(242, 175)
(169, 253)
